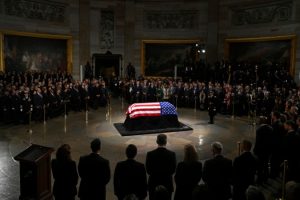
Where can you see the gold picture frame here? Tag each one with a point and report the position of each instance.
(164, 47)
(68, 38)
(290, 40)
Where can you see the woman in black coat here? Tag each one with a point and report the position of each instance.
(188, 174)
(65, 174)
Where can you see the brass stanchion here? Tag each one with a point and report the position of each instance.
(65, 109)
(249, 118)
(30, 124)
(239, 148)
(176, 99)
(44, 132)
(86, 112)
(285, 166)
(44, 113)
(254, 118)
(232, 116)
(110, 115)
(107, 114)
(65, 125)
(195, 105)
(30, 127)
(109, 97)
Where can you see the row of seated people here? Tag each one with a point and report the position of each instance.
(37, 93)
(219, 173)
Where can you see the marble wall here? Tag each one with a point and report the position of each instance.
(132, 21)
(120, 25)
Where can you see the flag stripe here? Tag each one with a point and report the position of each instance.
(145, 114)
(144, 109)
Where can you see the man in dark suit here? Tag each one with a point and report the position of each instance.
(212, 108)
(277, 138)
(160, 165)
(244, 169)
(290, 151)
(217, 174)
(95, 174)
(262, 148)
(130, 176)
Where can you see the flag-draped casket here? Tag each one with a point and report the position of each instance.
(152, 115)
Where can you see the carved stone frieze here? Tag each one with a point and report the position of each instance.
(107, 29)
(171, 19)
(39, 10)
(266, 13)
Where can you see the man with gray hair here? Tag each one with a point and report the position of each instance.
(254, 193)
(244, 170)
(292, 190)
(217, 173)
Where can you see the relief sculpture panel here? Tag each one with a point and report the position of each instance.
(107, 27)
(39, 10)
(187, 19)
(267, 13)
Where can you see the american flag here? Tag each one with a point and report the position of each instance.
(150, 109)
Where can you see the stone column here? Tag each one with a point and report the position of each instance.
(73, 20)
(129, 35)
(212, 31)
(84, 31)
(297, 32)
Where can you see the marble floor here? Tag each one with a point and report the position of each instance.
(75, 131)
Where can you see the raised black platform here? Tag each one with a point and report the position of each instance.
(148, 123)
(124, 132)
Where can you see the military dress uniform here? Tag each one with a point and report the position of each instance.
(212, 108)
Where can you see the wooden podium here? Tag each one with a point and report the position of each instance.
(35, 173)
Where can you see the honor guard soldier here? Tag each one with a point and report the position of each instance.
(212, 108)
(25, 107)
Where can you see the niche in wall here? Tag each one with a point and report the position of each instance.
(107, 65)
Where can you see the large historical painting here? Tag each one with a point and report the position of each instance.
(264, 51)
(159, 57)
(31, 53)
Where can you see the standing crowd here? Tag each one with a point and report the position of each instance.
(219, 174)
